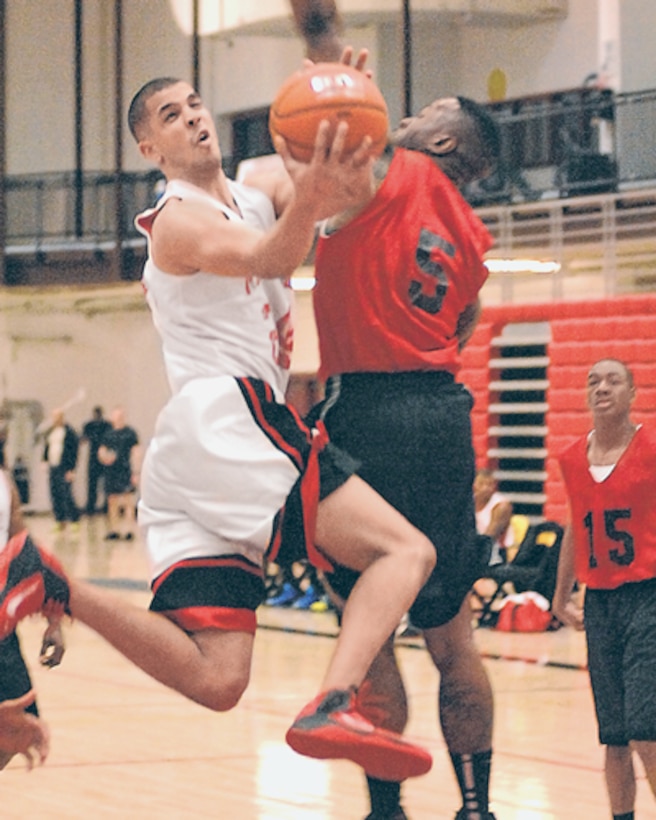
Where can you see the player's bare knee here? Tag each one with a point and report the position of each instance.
(420, 550)
(224, 694)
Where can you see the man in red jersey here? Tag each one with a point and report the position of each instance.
(396, 298)
(610, 547)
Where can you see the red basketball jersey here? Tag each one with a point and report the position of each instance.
(614, 521)
(392, 283)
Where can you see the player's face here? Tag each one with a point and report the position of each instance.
(442, 131)
(609, 389)
(431, 129)
(180, 130)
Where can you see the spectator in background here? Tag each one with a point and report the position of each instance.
(93, 433)
(493, 514)
(120, 454)
(21, 476)
(61, 451)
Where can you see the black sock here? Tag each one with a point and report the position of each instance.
(473, 773)
(629, 815)
(385, 796)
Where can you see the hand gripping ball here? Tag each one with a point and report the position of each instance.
(333, 92)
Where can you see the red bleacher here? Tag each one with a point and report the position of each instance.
(581, 333)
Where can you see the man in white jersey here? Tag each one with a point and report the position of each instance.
(232, 474)
(21, 729)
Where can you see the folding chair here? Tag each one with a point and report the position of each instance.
(534, 568)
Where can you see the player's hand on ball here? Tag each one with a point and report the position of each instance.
(337, 92)
(346, 58)
(361, 61)
(335, 179)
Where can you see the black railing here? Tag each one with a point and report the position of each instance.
(45, 209)
(557, 145)
(571, 143)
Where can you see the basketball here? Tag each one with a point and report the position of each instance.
(333, 92)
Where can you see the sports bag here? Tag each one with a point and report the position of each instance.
(524, 612)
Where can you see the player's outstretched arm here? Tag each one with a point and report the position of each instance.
(189, 237)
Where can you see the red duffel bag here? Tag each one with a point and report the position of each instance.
(524, 612)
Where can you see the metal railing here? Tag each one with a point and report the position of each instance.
(557, 146)
(54, 210)
(571, 143)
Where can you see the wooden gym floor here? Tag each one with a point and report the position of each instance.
(125, 747)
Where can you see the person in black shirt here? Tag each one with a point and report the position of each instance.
(119, 452)
(93, 433)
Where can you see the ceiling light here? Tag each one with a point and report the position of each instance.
(521, 266)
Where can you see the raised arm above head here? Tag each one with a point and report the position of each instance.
(319, 24)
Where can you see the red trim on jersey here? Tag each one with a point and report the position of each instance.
(613, 521)
(276, 541)
(144, 221)
(195, 618)
(271, 431)
(392, 283)
(194, 563)
(310, 488)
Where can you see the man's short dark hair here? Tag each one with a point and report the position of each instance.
(486, 126)
(137, 110)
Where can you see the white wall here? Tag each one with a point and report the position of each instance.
(450, 55)
(102, 340)
(40, 86)
(53, 344)
(546, 56)
(637, 53)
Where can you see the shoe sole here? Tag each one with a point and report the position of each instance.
(380, 757)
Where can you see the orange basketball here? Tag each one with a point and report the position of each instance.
(333, 92)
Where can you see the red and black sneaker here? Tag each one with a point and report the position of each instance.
(331, 728)
(31, 581)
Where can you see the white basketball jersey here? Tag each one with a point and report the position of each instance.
(220, 325)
